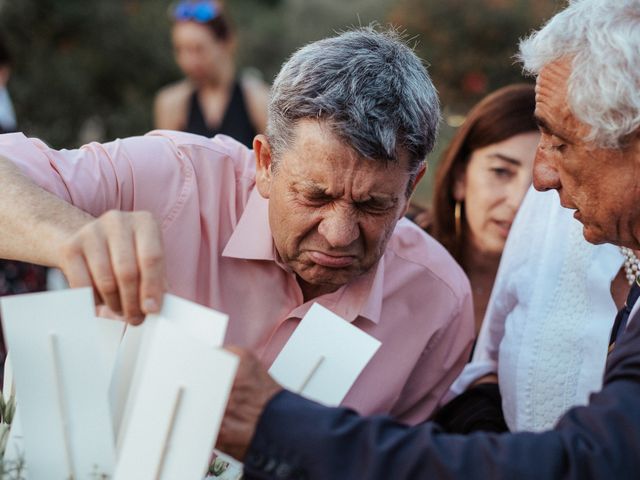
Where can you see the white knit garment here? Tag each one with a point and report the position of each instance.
(547, 327)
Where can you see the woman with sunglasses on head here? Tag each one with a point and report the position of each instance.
(212, 98)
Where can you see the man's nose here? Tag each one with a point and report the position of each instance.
(545, 174)
(339, 227)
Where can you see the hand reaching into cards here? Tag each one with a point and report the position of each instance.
(120, 255)
(251, 391)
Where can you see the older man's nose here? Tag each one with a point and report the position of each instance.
(339, 227)
(545, 175)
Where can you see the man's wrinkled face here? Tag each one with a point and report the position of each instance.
(601, 184)
(331, 211)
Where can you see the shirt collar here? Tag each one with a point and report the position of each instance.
(252, 240)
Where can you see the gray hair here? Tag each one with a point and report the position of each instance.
(369, 87)
(602, 38)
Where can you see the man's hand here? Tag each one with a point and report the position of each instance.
(252, 389)
(120, 254)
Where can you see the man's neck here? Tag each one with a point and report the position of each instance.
(310, 291)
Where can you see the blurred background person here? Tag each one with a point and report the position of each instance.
(479, 185)
(212, 98)
(7, 114)
(15, 277)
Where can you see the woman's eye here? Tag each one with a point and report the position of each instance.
(502, 173)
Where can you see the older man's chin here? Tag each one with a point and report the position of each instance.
(331, 278)
(596, 235)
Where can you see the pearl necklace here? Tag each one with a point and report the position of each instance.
(631, 264)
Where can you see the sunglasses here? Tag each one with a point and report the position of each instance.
(203, 11)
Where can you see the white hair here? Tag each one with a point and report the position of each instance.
(602, 39)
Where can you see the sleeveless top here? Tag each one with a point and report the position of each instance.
(235, 121)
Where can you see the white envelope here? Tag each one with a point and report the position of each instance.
(180, 402)
(323, 357)
(61, 383)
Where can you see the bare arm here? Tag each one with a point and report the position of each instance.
(170, 106)
(256, 94)
(34, 223)
(120, 254)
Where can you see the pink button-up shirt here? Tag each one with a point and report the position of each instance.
(220, 253)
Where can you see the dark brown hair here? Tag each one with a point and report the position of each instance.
(219, 26)
(501, 115)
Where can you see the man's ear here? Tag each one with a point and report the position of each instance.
(414, 184)
(421, 172)
(264, 175)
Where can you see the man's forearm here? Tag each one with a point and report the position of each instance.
(34, 223)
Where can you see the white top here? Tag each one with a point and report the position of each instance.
(549, 317)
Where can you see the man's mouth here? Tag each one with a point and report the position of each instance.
(332, 260)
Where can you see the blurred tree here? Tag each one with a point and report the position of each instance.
(89, 69)
(77, 62)
(471, 44)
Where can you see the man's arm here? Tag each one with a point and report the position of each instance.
(34, 222)
(297, 438)
(119, 254)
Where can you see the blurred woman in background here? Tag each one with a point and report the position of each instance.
(212, 98)
(480, 183)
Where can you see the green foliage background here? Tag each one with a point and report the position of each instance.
(88, 69)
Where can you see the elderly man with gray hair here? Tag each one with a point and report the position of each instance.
(587, 63)
(313, 214)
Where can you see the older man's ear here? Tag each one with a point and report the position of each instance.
(264, 173)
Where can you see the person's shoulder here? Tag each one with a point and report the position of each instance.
(252, 82)
(416, 250)
(209, 153)
(171, 103)
(222, 145)
(175, 92)
(256, 94)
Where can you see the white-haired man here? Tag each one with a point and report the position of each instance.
(588, 105)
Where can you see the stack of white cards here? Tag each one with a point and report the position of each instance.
(90, 404)
(146, 403)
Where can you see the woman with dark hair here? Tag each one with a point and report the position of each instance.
(480, 183)
(211, 99)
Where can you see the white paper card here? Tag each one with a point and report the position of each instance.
(178, 409)
(14, 458)
(61, 383)
(323, 357)
(205, 324)
(110, 333)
